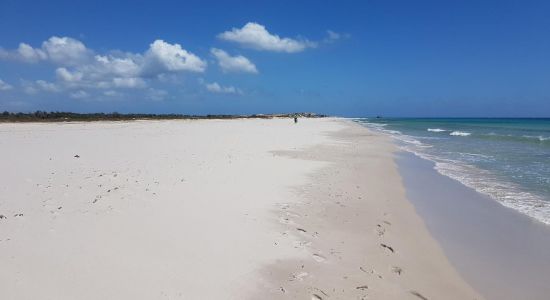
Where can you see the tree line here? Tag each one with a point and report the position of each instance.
(44, 116)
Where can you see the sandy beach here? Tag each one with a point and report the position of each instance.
(236, 209)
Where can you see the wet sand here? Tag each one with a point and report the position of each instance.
(502, 253)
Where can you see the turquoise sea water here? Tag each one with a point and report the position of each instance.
(507, 159)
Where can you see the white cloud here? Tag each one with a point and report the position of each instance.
(80, 94)
(163, 57)
(217, 88)
(103, 72)
(119, 66)
(29, 54)
(230, 63)
(254, 35)
(131, 70)
(79, 69)
(39, 85)
(4, 86)
(66, 75)
(65, 50)
(47, 86)
(24, 53)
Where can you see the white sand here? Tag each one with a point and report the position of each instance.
(360, 238)
(191, 210)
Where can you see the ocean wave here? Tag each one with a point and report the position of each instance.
(395, 132)
(436, 130)
(483, 181)
(533, 139)
(475, 156)
(407, 139)
(540, 138)
(506, 193)
(398, 135)
(460, 133)
(377, 126)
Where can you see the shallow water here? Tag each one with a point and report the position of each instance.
(500, 252)
(506, 159)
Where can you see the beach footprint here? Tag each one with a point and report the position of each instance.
(301, 244)
(319, 258)
(298, 276)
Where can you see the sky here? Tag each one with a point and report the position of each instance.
(346, 58)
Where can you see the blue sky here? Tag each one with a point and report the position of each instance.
(350, 58)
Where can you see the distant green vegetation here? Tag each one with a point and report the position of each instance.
(43, 116)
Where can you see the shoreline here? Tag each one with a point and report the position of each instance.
(498, 250)
(359, 235)
(505, 162)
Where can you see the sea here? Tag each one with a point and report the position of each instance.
(506, 159)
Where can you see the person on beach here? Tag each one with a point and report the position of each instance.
(295, 120)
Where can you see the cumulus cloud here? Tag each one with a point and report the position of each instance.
(256, 36)
(80, 70)
(132, 70)
(39, 85)
(66, 75)
(230, 63)
(4, 86)
(164, 57)
(79, 67)
(126, 66)
(59, 50)
(217, 88)
(28, 54)
(65, 50)
(47, 86)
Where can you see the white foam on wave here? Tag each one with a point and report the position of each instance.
(375, 125)
(436, 130)
(395, 134)
(506, 193)
(459, 133)
(476, 156)
(538, 137)
(483, 181)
